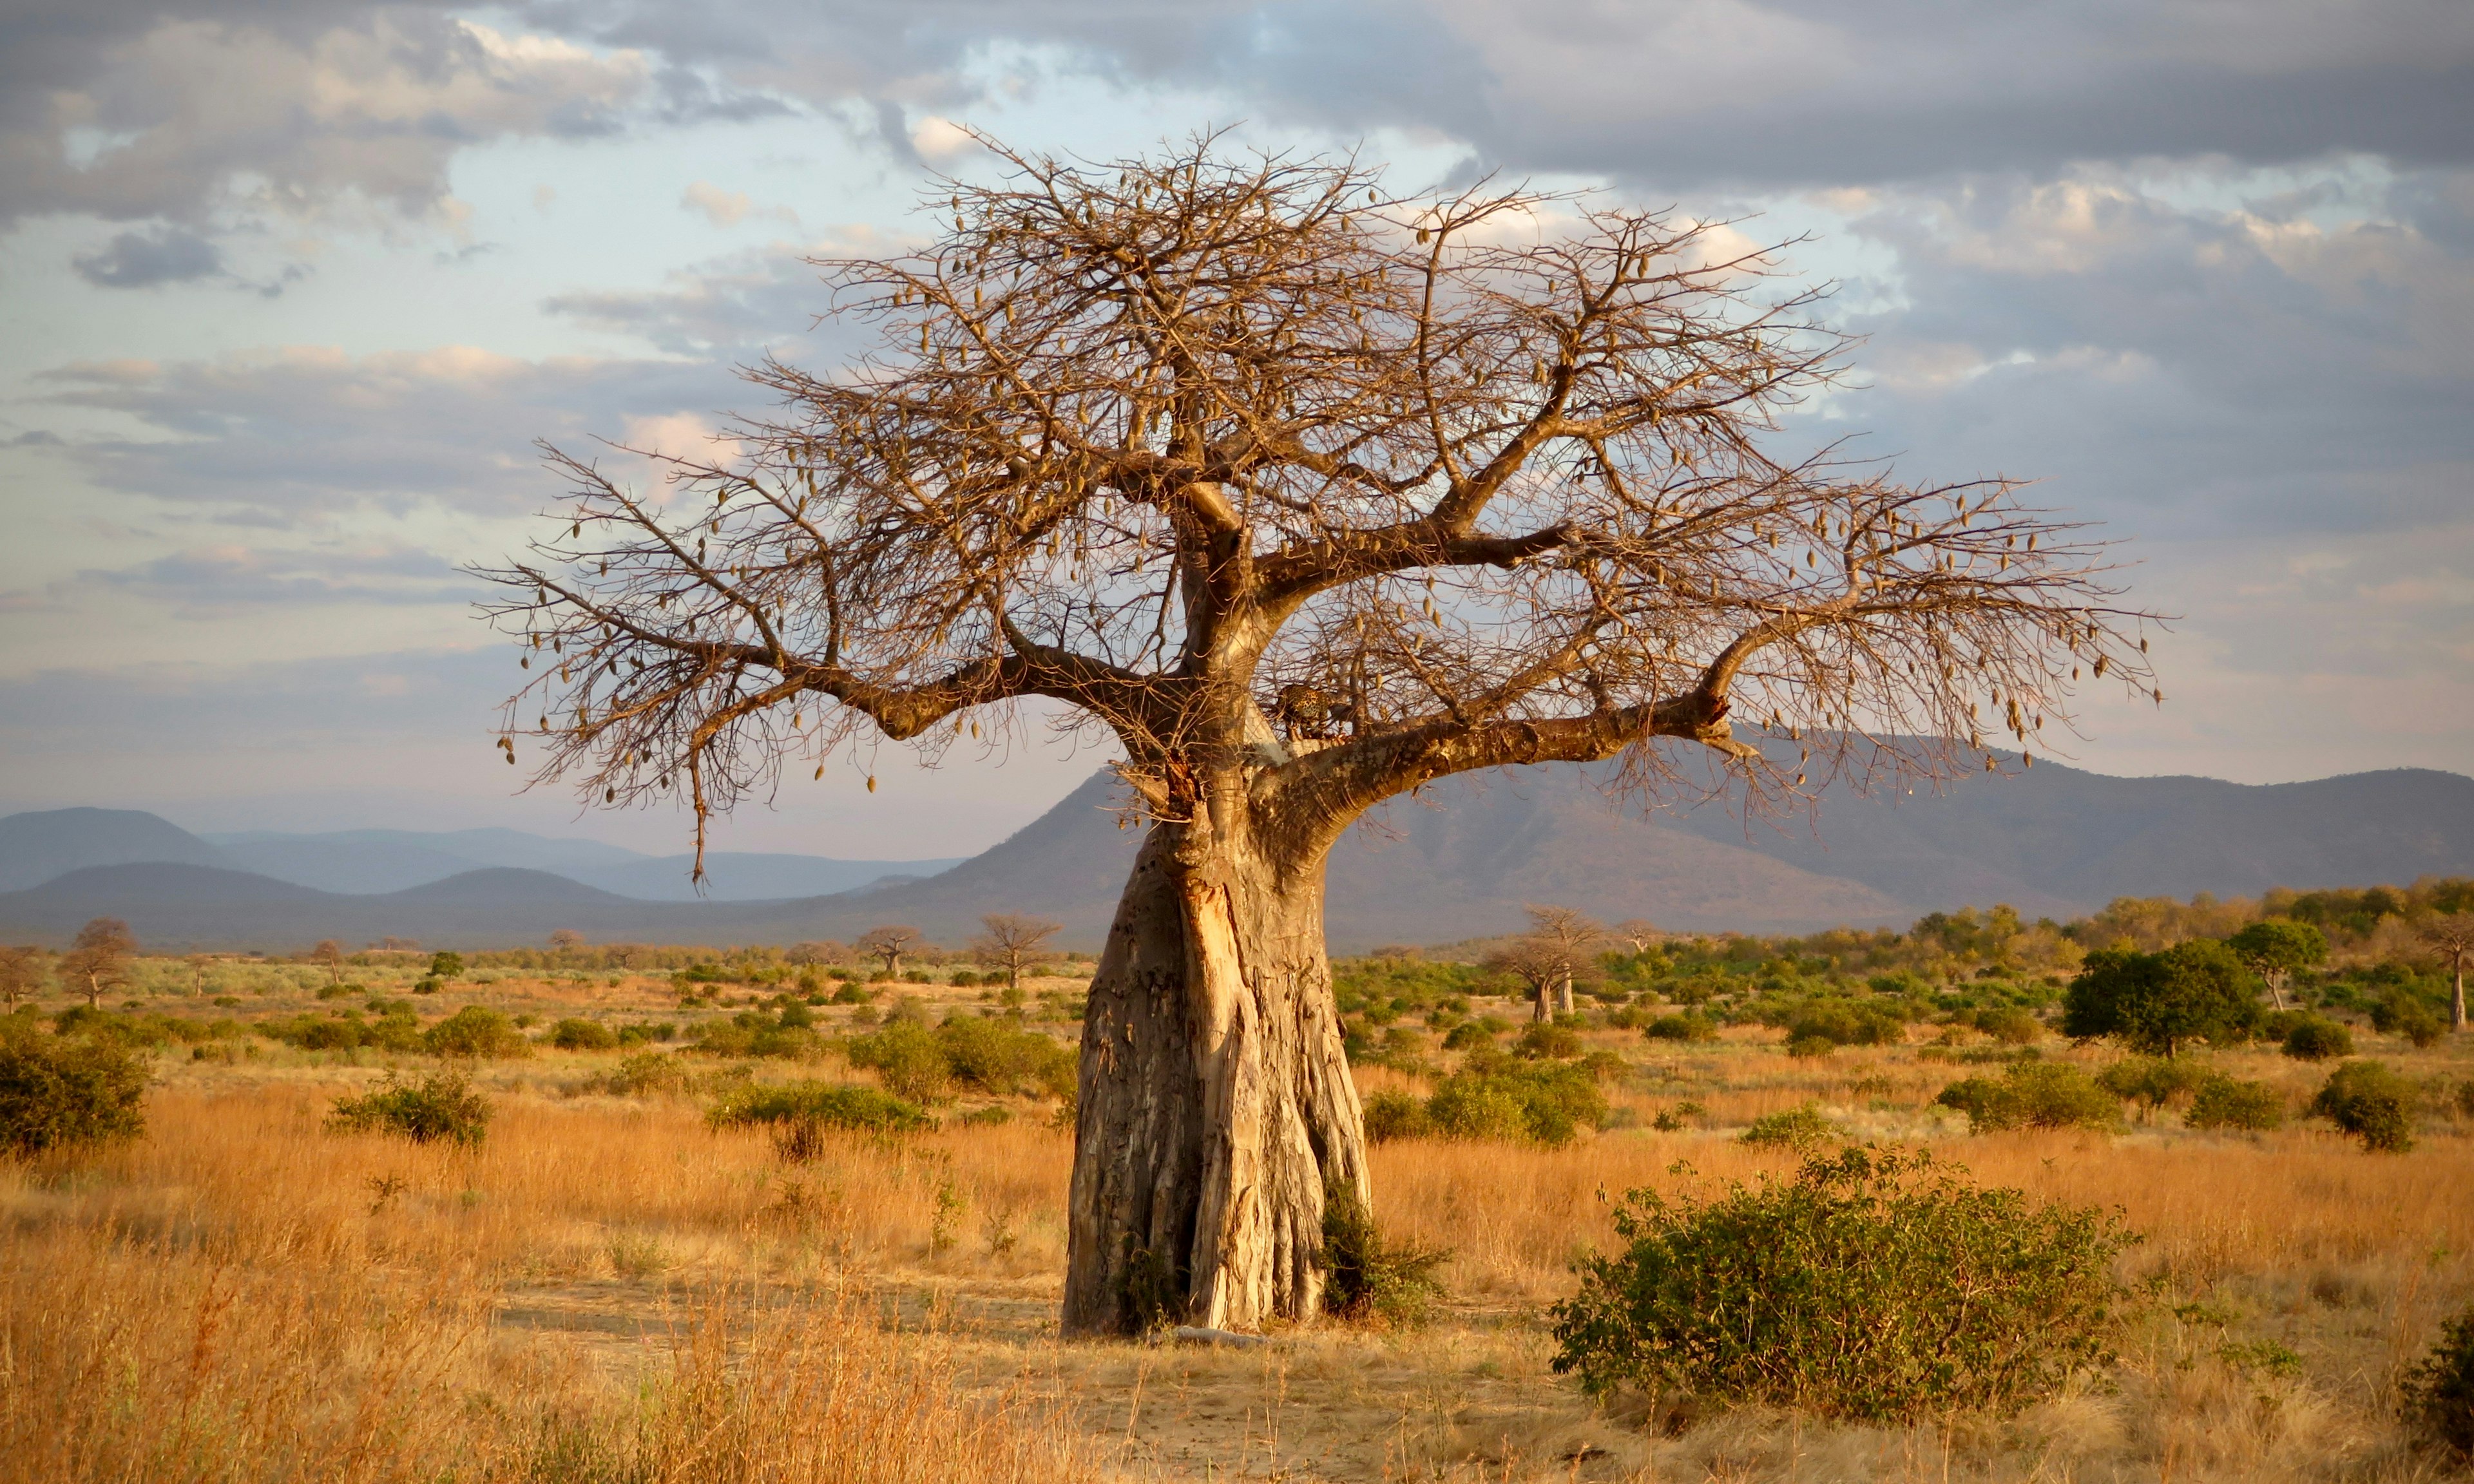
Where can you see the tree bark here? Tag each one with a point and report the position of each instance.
(2456, 996)
(1215, 1101)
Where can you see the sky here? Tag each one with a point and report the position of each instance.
(290, 288)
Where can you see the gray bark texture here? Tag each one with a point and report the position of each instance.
(1215, 1100)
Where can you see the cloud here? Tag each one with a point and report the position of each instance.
(306, 430)
(140, 260)
(729, 208)
(285, 112)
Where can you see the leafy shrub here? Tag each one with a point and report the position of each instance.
(1480, 1032)
(2231, 1103)
(1808, 1046)
(2152, 1081)
(994, 1115)
(799, 1111)
(2371, 1102)
(2401, 1011)
(648, 1073)
(1670, 1120)
(1844, 1023)
(1540, 1102)
(996, 1057)
(476, 1030)
(2316, 1039)
(1368, 1275)
(58, 1091)
(1391, 1115)
(1793, 1128)
(2438, 1395)
(1545, 1040)
(2011, 1026)
(2033, 1096)
(576, 1034)
(1680, 1027)
(1874, 1286)
(442, 1105)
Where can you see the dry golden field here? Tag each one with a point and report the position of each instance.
(606, 1290)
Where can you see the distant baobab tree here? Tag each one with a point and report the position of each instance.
(1007, 940)
(99, 958)
(21, 973)
(1307, 494)
(329, 955)
(2452, 936)
(889, 944)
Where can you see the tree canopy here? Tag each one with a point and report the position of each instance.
(1252, 459)
(2156, 1002)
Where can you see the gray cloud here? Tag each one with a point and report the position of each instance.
(139, 260)
(310, 430)
(136, 111)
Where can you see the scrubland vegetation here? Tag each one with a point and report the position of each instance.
(760, 1216)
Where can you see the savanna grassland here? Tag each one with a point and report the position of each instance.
(607, 1286)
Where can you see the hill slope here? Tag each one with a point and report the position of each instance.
(1458, 862)
(35, 847)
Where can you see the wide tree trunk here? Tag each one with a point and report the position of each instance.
(1215, 1100)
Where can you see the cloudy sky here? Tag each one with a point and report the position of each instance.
(288, 288)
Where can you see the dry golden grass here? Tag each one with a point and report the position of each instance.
(607, 1290)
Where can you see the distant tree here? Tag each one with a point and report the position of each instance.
(889, 942)
(2274, 948)
(824, 952)
(444, 965)
(1573, 937)
(329, 955)
(2453, 936)
(198, 964)
(1009, 940)
(99, 958)
(2155, 1002)
(1538, 963)
(1638, 934)
(21, 973)
(566, 940)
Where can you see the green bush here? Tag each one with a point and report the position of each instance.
(1391, 1115)
(1480, 1032)
(1546, 1041)
(2371, 1102)
(1680, 1027)
(58, 1091)
(2401, 1011)
(2152, 1081)
(2230, 1103)
(1844, 1023)
(2316, 1039)
(648, 1073)
(576, 1034)
(2438, 1395)
(1793, 1128)
(1809, 1046)
(1000, 1058)
(2033, 1096)
(1546, 1103)
(442, 1105)
(2011, 1026)
(1366, 1275)
(1874, 1286)
(798, 1113)
(476, 1030)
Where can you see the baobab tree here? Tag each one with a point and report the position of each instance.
(889, 942)
(99, 959)
(2451, 937)
(1569, 937)
(1308, 494)
(1007, 940)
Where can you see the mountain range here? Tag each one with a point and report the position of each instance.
(1455, 863)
